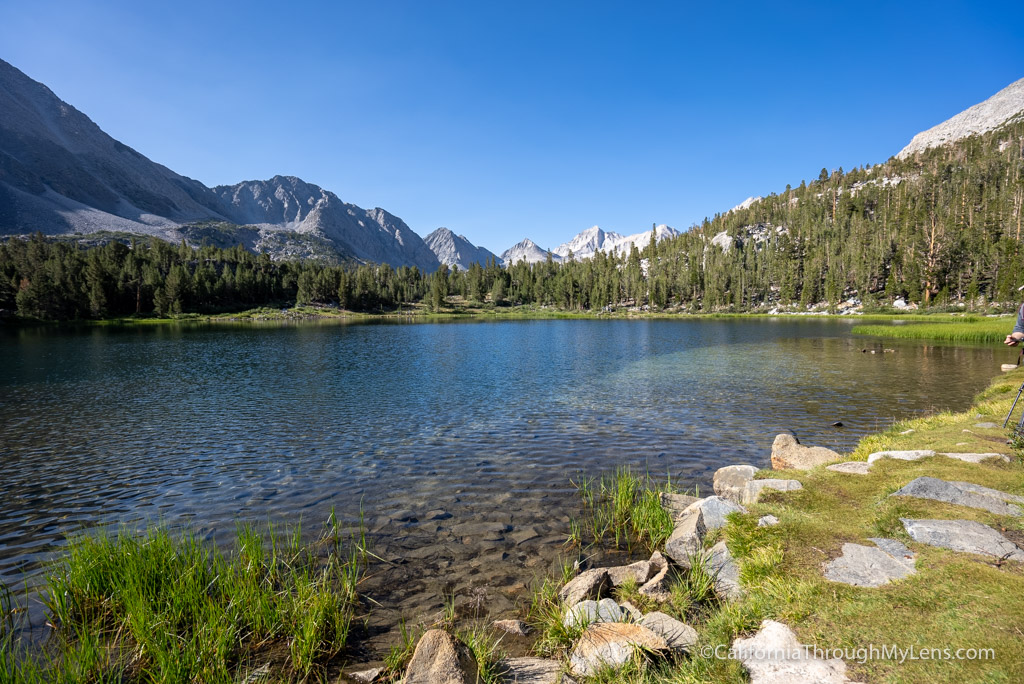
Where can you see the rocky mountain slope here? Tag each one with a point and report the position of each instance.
(457, 250)
(986, 116)
(60, 173)
(527, 251)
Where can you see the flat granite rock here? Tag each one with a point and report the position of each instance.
(532, 671)
(850, 467)
(871, 566)
(962, 494)
(611, 644)
(789, 454)
(678, 635)
(775, 656)
(976, 458)
(968, 536)
(909, 455)
(986, 425)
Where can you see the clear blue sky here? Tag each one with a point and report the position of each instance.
(519, 119)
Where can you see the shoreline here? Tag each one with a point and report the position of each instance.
(935, 431)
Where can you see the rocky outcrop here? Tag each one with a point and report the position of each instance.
(457, 250)
(871, 566)
(967, 536)
(775, 656)
(656, 588)
(440, 659)
(611, 645)
(789, 453)
(989, 115)
(963, 494)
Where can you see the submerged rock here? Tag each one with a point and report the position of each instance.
(962, 494)
(515, 627)
(789, 453)
(967, 536)
(775, 656)
(871, 566)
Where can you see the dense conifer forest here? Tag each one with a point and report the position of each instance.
(938, 228)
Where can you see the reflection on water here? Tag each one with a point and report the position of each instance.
(423, 426)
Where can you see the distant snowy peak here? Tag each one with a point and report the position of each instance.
(456, 250)
(981, 118)
(593, 240)
(745, 204)
(527, 251)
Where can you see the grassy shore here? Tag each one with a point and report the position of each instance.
(954, 600)
(981, 330)
(167, 607)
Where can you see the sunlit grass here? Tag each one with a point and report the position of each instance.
(167, 607)
(967, 329)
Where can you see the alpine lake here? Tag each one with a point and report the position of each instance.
(453, 445)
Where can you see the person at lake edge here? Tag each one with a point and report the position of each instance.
(1018, 330)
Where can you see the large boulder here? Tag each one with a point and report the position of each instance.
(687, 539)
(611, 645)
(731, 481)
(963, 494)
(440, 659)
(775, 656)
(871, 566)
(587, 585)
(704, 515)
(789, 453)
(963, 535)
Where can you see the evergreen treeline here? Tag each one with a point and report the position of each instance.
(941, 226)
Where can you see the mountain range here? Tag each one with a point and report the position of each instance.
(61, 174)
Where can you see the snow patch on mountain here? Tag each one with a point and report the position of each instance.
(745, 204)
(593, 240)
